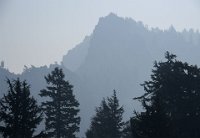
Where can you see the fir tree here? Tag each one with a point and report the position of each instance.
(100, 122)
(107, 123)
(61, 109)
(19, 112)
(171, 101)
(116, 113)
(126, 132)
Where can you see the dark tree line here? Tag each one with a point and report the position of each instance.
(20, 113)
(171, 107)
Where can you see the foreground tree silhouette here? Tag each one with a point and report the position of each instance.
(19, 112)
(171, 102)
(61, 109)
(127, 133)
(107, 123)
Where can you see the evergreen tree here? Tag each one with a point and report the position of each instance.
(171, 101)
(19, 112)
(107, 123)
(153, 123)
(116, 113)
(127, 133)
(100, 122)
(61, 109)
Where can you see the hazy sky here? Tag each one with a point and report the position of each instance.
(40, 32)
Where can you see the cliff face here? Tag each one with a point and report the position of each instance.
(76, 56)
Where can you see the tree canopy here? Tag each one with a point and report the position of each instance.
(107, 123)
(61, 108)
(171, 101)
(19, 112)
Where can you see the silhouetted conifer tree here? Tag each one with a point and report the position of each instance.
(171, 102)
(19, 112)
(127, 133)
(61, 109)
(107, 123)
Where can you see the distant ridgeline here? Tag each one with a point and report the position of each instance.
(119, 55)
(114, 33)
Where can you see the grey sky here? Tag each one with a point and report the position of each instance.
(40, 32)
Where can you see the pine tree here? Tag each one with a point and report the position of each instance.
(127, 133)
(107, 123)
(61, 109)
(100, 122)
(19, 112)
(171, 101)
(116, 113)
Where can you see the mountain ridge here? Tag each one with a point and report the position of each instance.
(119, 54)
